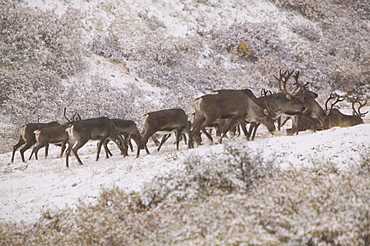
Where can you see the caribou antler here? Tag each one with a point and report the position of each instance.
(65, 116)
(339, 99)
(358, 112)
(74, 118)
(332, 96)
(264, 93)
(297, 84)
(283, 79)
(298, 91)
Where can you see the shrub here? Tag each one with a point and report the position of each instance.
(40, 39)
(237, 170)
(312, 9)
(208, 202)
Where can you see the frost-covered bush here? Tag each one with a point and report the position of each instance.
(237, 170)
(309, 209)
(363, 167)
(308, 31)
(312, 9)
(362, 7)
(32, 38)
(295, 207)
(31, 96)
(108, 47)
(38, 49)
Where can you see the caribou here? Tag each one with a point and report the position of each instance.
(277, 104)
(235, 107)
(129, 130)
(167, 120)
(53, 135)
(80, 132)
(337, 118)
(307, 97)
(50, 135)
(27, 137)
(305, 122)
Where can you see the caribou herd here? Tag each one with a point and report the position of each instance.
(224, 110)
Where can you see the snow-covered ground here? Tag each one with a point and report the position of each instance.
(28, 189)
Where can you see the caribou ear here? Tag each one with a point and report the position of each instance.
(266, 112)
(289, 97)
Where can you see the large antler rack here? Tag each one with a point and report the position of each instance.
(283, 80)
(332, 96)
(358, 112)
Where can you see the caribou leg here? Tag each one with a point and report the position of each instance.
(100, 144)
(228, 126)
(143, 143)
(178, 136)
(21, 141)
(26, 147)
(107, 151)
(75, 148)
(164, 139)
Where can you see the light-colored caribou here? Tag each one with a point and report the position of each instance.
(334, 116)
(337, 118)
(50, 135)
(234, 107)
(27, 137)
(167, 120)
(80, 132)
(53, 135)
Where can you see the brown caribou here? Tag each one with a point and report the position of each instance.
(50, 135)
(305, 122)
(53, 135)
(313, 108)
(80, 132)
(129, 130)
(337, 118)
(27, 137)
(277, 104)
(235, 107)
(167, 120)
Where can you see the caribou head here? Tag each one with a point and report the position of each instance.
(337, 118)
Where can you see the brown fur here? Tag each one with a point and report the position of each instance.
(164, 120)
(92, 129)
(27, 137)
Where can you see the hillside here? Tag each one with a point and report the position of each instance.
(123, 59)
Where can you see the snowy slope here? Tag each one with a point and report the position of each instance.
(28, 189)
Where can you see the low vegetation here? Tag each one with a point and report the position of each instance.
(234, 199)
